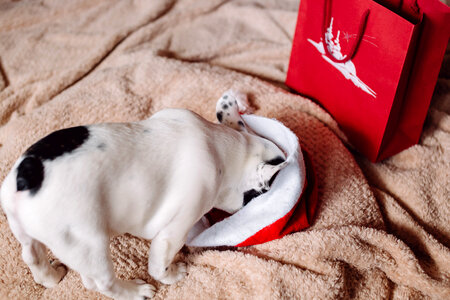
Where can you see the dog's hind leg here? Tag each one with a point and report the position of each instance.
(34, 254)
(92, 259)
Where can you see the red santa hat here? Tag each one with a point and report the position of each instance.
(287, 207)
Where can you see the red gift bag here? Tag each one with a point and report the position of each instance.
(372, 65)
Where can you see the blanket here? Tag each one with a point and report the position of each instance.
(381, 230)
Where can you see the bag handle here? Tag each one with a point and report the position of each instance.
(361, 29)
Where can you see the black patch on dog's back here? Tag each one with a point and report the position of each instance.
(30, 172)
(58, 143)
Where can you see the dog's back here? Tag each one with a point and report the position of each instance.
(128, 172)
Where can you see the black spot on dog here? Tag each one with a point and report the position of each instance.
(146, 130)
(219, 116)
(276, 161)
(225, 97)
(58, 143)
(68, 237)
(269, 183)
(224, 107)
(101, 146)
(230, 103)
(249, 195)
(30, 172)
(241, 124)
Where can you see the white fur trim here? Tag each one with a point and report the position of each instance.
(266, 208)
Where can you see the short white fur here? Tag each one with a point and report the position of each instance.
(154, 179)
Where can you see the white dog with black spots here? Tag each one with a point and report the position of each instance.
(74, 189)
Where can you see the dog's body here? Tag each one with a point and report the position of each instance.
(155, 179)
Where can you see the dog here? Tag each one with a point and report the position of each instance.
(77, 187)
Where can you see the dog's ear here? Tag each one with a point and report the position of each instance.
(267, 170)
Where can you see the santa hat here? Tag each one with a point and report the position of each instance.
(287, 207)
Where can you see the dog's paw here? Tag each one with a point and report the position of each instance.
(144, 290)
(228, 110)
(241, 100)
(54, 276)
(174, 273)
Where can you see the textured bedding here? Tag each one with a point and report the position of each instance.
(381, 230)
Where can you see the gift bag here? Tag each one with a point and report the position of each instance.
(372, 65)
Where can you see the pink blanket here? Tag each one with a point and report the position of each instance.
(381, 230)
